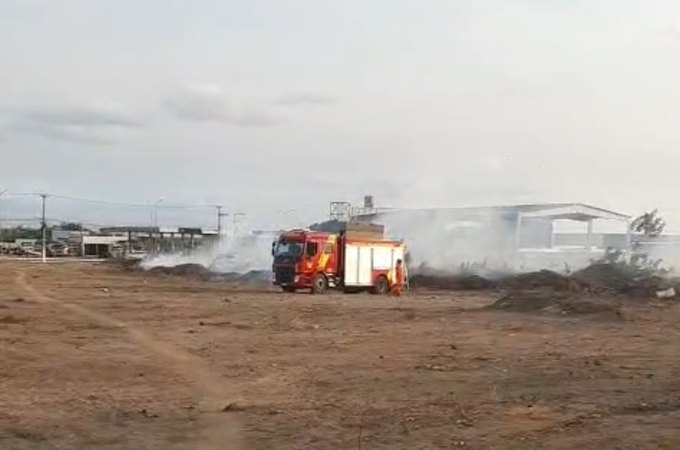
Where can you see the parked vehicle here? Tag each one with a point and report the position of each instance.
(57, 249)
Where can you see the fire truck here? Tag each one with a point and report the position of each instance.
(357, 258)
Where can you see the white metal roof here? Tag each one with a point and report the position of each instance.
(573, 211)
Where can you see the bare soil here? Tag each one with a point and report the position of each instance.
(95, 357)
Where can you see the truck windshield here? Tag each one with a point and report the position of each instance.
(293, 249)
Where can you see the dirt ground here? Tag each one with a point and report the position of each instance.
(93, 357)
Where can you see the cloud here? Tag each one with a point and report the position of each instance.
(97, 124)
(94, 117)
(209, 103)
(75, 134)
(305, 98)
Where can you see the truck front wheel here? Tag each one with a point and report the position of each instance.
(319, 284)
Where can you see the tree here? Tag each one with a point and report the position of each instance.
(20, 232)
(650, 224)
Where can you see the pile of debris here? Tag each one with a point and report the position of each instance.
(626, 280)
(529, 280)
(462, 279)
(451, 282)
(608, 279)
(196, 271)
(200, 272)
(600, 278)
(542, 279)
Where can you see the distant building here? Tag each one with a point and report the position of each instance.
(58, 234)
(102, 246)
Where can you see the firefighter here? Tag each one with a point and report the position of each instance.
(398, 285)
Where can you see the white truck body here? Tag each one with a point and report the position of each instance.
(363, 260)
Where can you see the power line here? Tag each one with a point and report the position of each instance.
(22, 194)
(90, 224)
(30, 219)
(133, 205)
(101, 202)
(110, 203)
(58, 221)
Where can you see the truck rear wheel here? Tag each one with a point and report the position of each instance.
(319, 284)
(289, 289)
(382, 286)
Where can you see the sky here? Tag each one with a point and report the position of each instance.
(269, 106)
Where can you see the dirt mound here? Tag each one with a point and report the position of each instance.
(547, 302)
(451, 282)
(602, 275)
(602, 278)
(540, 279)
(623, 279)
(529, 280)
(183, 270)
(253, 277)
(199, 272)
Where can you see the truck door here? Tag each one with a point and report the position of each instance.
(311, 257)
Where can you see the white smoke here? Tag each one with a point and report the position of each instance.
(238, 255)
(437, 241)
(483, 241)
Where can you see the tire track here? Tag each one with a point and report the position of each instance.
(220, 432)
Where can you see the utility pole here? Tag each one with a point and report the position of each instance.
(3, 192)
(44, 228)
(235, 217)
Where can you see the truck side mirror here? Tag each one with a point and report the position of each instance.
(273, 247)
